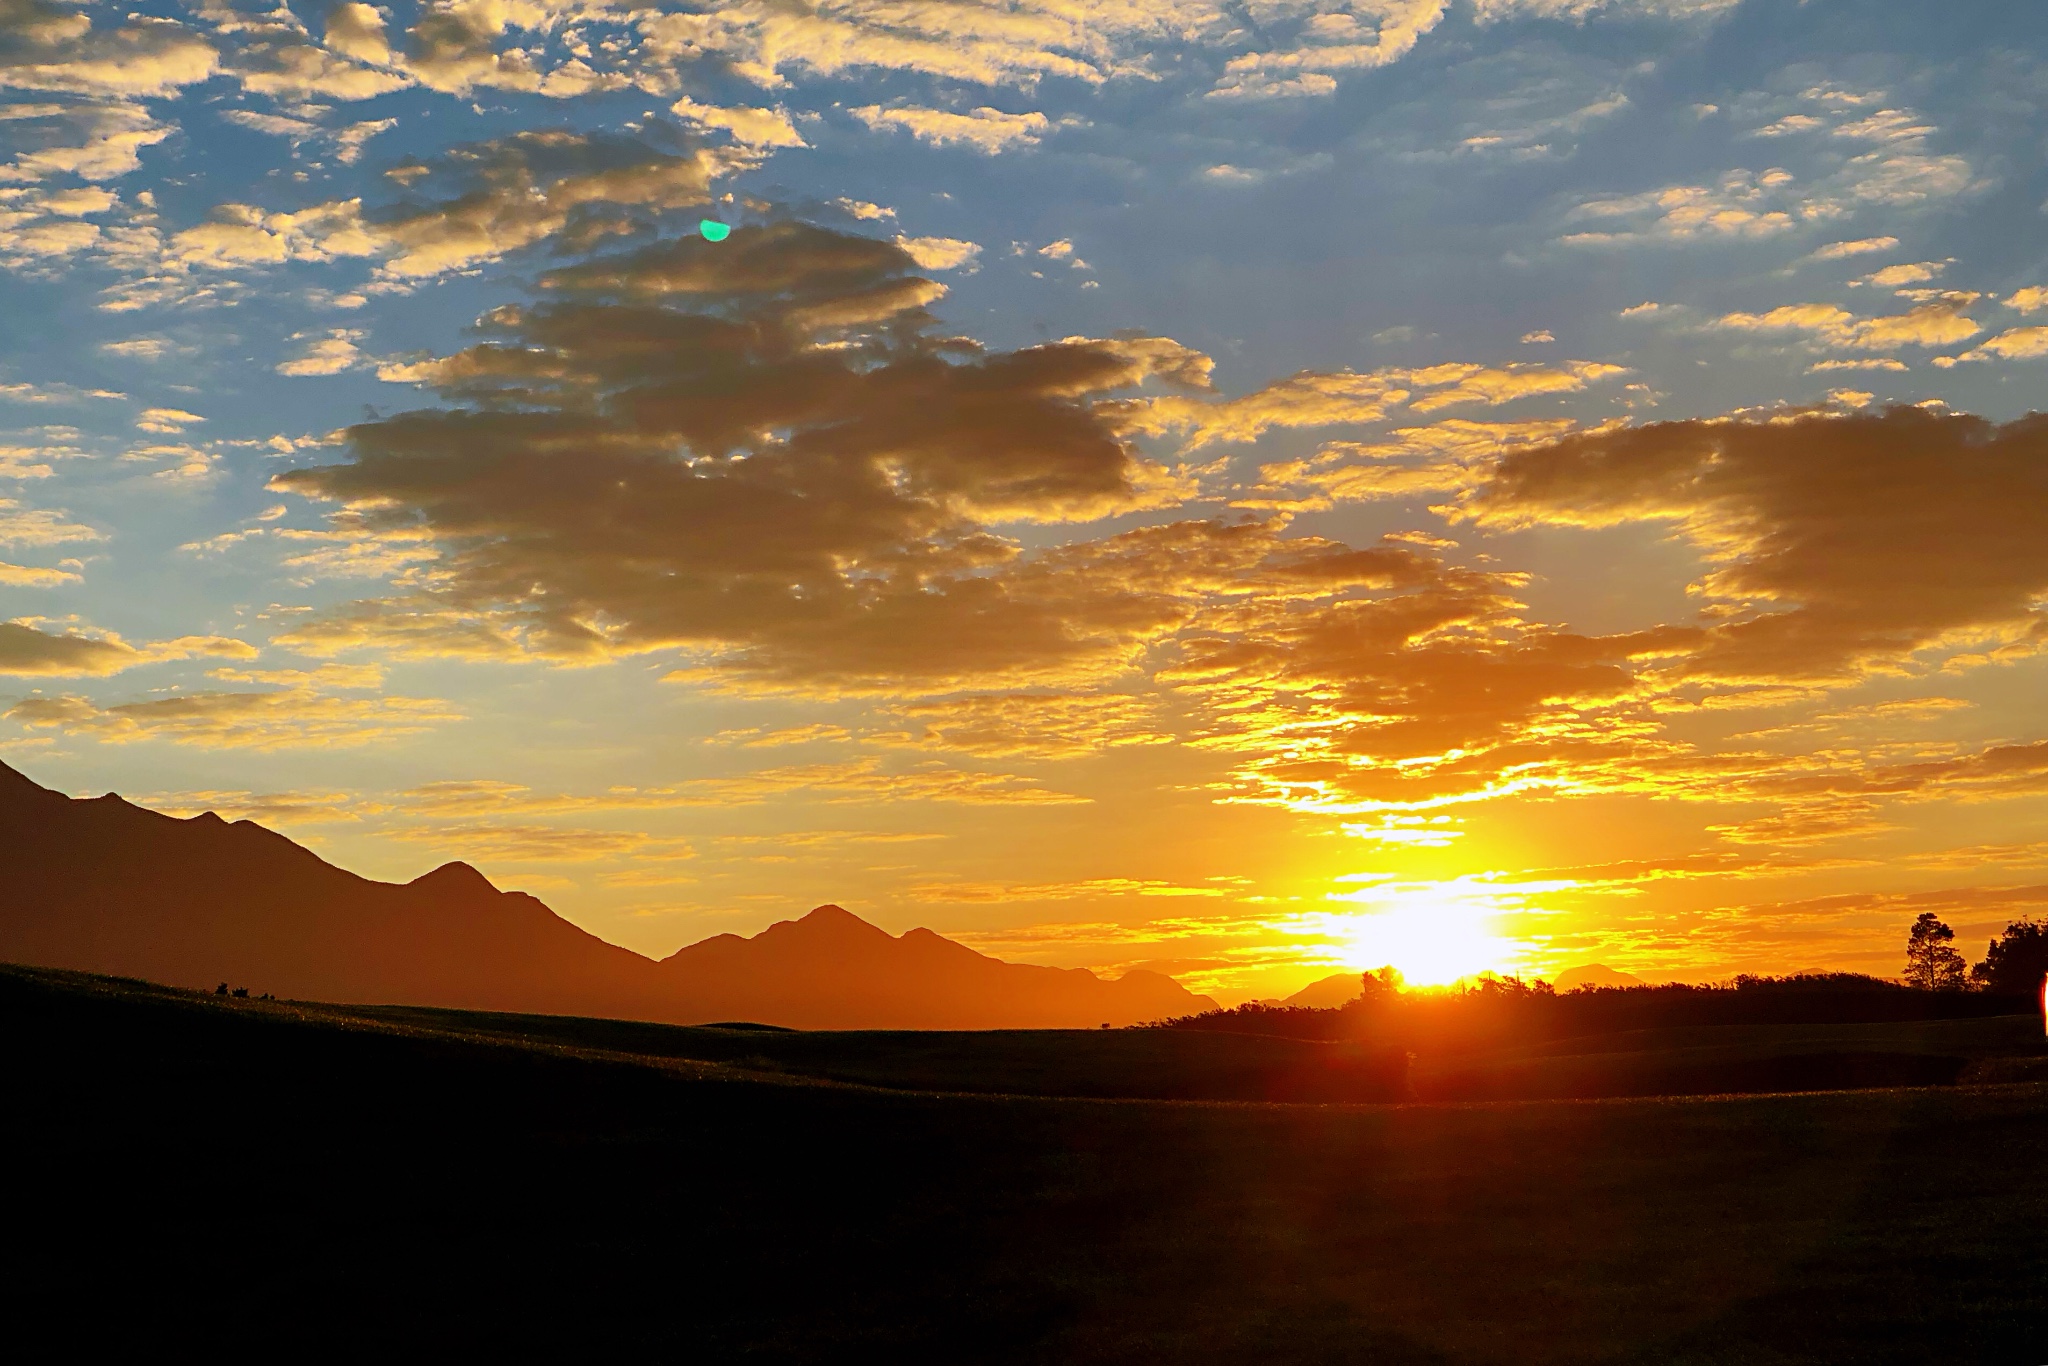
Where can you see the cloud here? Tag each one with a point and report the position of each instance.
(29, 576)
(292, 719)
(357, 30)
(939, 253)
(138, 348)
(1857, 363)
(346, 141)
(1939, 322)
(1015, 45)
(1744, 205)
(747, 126)
(867, 780)
(40, 527)
(1840, 545)
(95, 141)
(1323, 399)
(1453, 454)
(1835, 251)
(1331, 42)
(1751, 205)
(265, 808)
(2032, 299)
(987, 130)
(53, 47)
(1911, 273)
(860, 780)
(1578, 11)
(242, 235)
(454, 47)
(166, 421)
(1035, 725)
(2019, 343)
(860, 210)
(762, 738)
(496, 197)
(542, 843)
(328, 355)
(1407, 684)
(993, 893)
(27, 650)
(780, 469)
(272, 53)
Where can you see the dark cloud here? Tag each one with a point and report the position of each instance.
(1841, 545)
(482, 200)
(778, 463)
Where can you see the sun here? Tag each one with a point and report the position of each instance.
(1434, 933)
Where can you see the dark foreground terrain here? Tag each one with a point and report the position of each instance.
(254, 1177)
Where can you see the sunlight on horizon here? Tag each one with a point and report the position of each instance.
(1433, 933)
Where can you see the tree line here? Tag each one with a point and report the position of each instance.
(1939, 983)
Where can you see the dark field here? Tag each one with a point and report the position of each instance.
(254, 1177)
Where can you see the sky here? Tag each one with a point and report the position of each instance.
(1250, 490)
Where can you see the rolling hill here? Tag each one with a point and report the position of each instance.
(102, 885)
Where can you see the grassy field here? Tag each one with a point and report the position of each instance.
(263, 1176)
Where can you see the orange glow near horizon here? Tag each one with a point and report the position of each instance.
(1433, 933)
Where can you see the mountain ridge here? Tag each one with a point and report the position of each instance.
(103, 885)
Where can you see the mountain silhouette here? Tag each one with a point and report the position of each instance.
(102, 885)
(1595, 975)
(1327, 992)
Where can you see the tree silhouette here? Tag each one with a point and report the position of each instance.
(1931, 964)
(1383, 984)
(2016, 961)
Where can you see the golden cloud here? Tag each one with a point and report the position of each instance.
(1324, 399)
(853, 781)
(497, 197)
(987, 130)
(542, 843)
(265, 808)
(1841, 544)
(289, 719)
(1032, 725)
(748, 126)
(99, 140)
(2018, 343)
(47, 46)
(27, 650)
(1332, 41)
(1939, 322)
(273, 53)
(39, 526)
(1442, 458)
(989, 893)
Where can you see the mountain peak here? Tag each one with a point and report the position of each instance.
(454, 877)
(829, 913)
(828, 922)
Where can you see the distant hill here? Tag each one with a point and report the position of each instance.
(102, 885)
(1327, 992)
(1595, 975)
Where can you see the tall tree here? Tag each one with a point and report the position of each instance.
(2016, 961)
(1931, 964)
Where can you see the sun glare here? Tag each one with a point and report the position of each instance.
(1434, 933)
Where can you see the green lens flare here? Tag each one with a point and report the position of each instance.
(713, 230)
